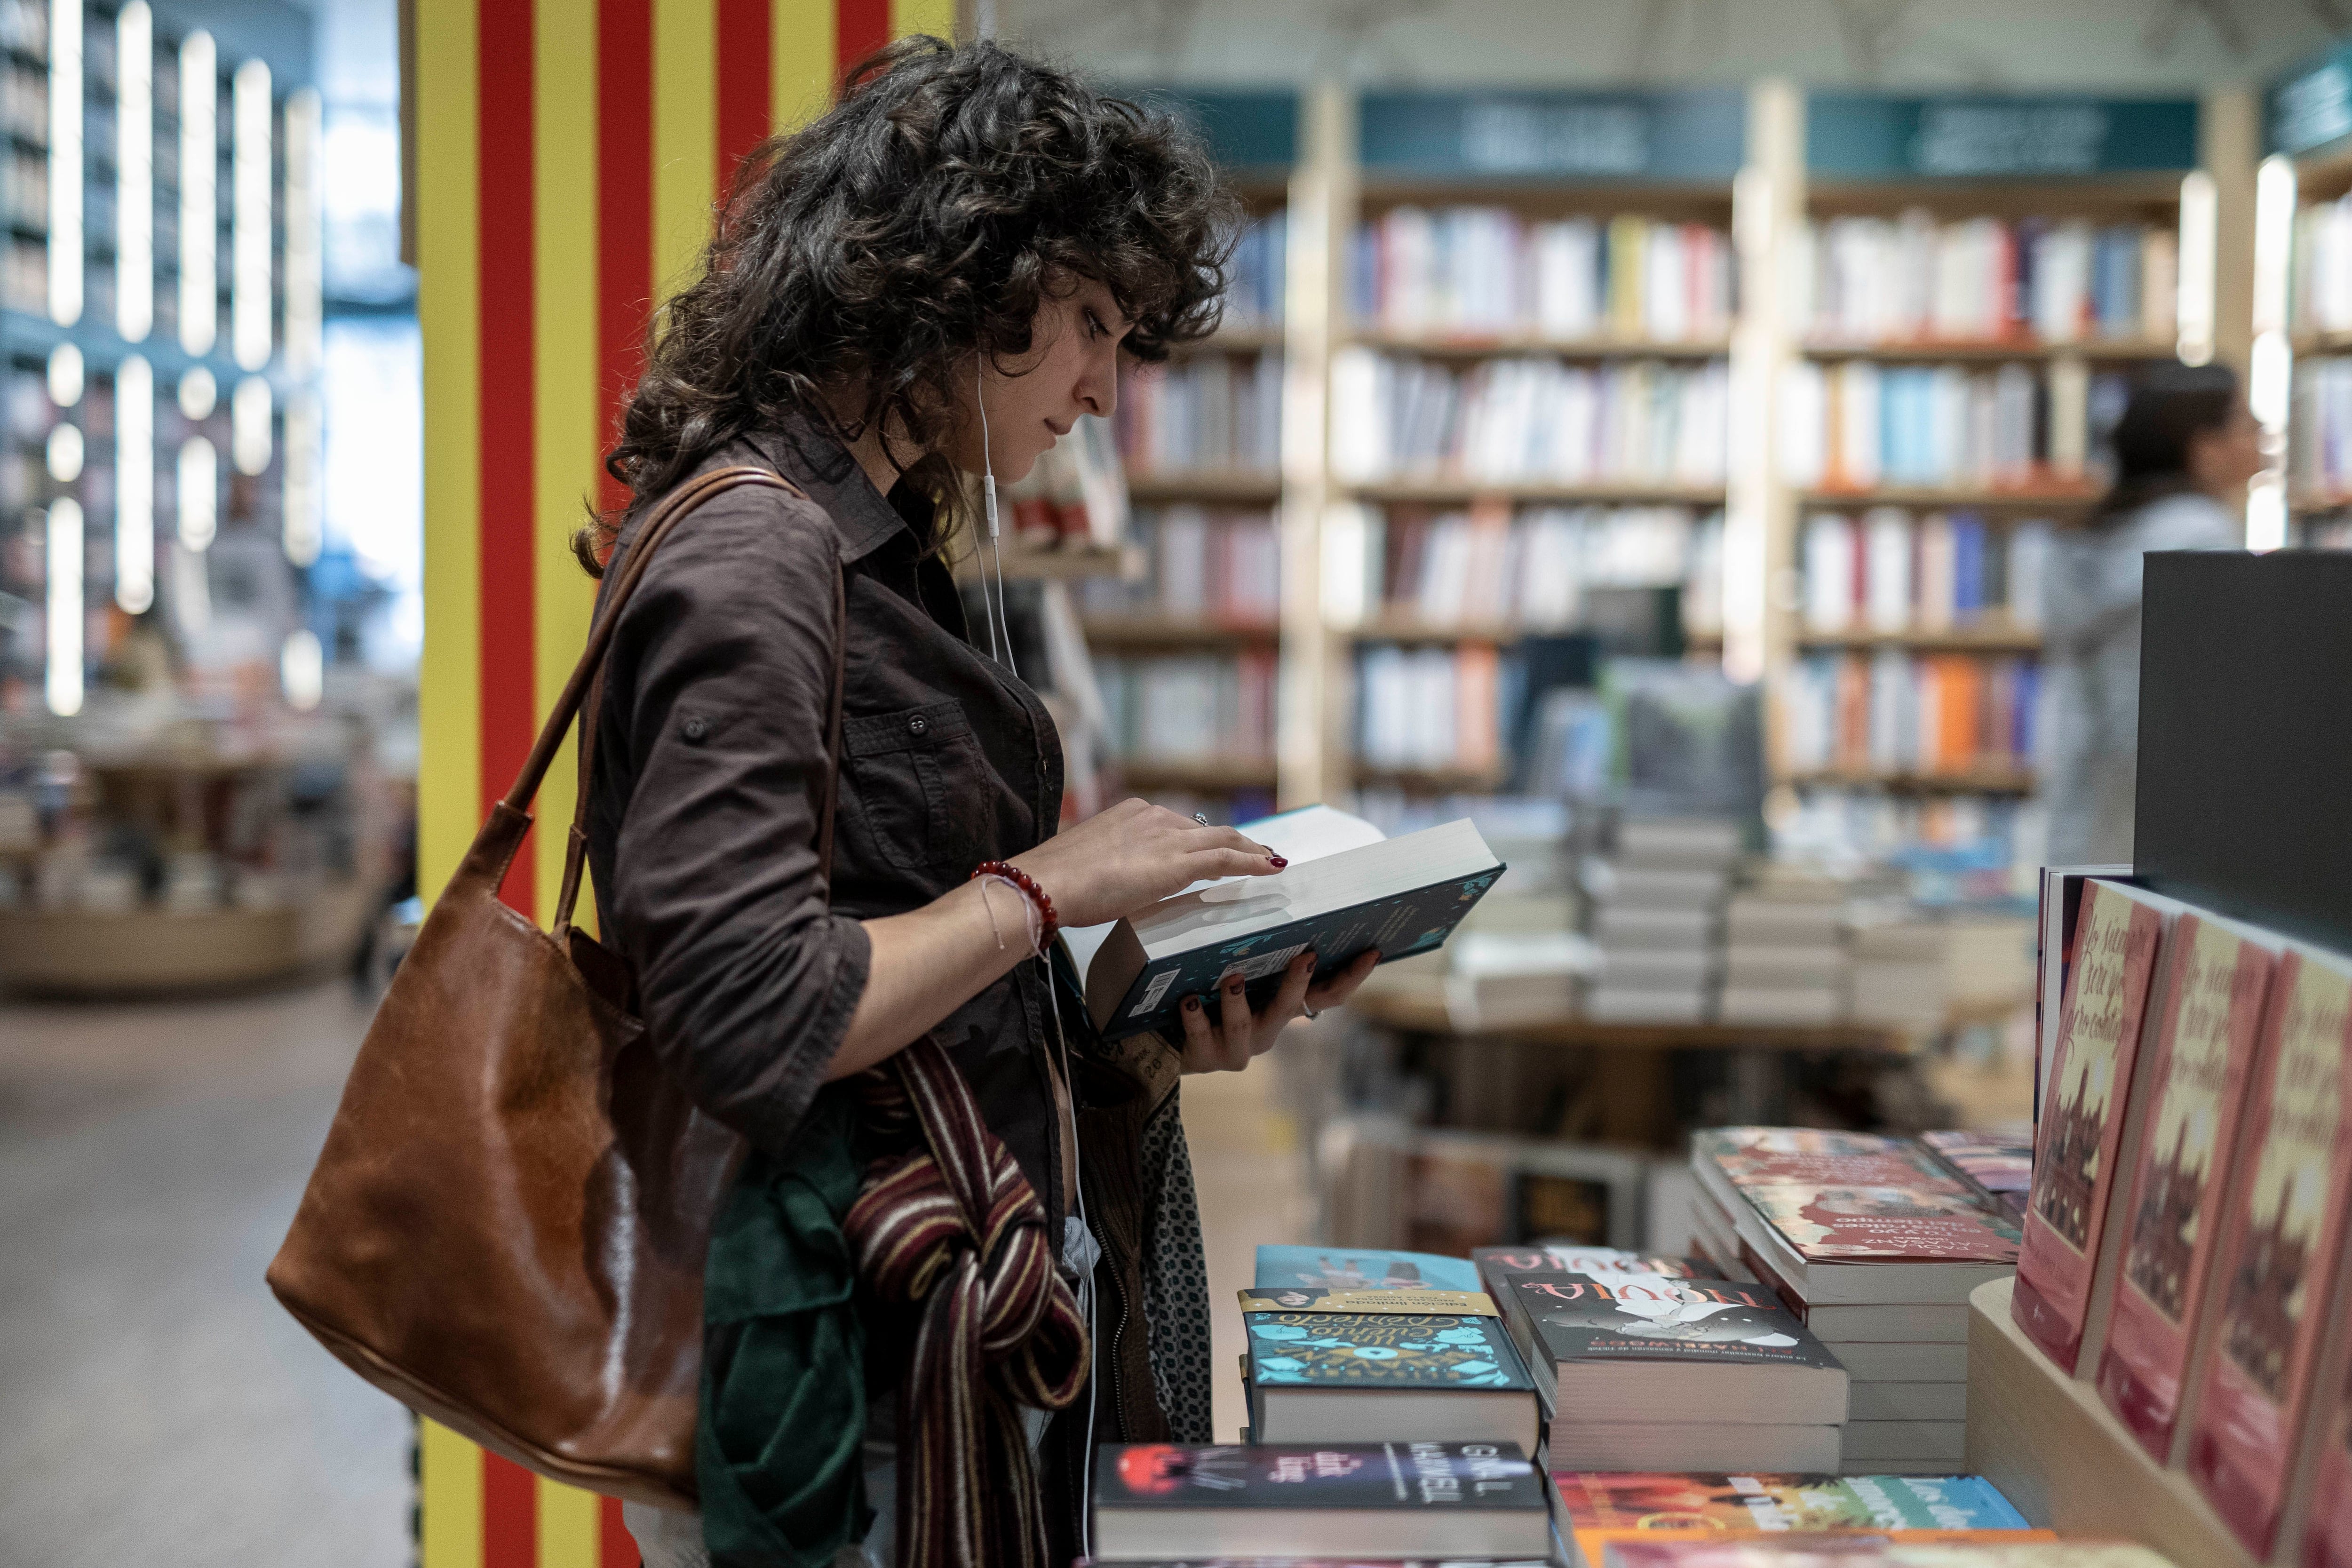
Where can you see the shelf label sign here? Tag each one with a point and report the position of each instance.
(2311, 106)
(1677, 136)
(1245, 129)
(1866, 136)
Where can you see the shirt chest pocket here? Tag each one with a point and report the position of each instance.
(916, 783)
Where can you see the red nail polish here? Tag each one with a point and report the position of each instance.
(1277, 861)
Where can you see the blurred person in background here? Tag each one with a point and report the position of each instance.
(2185, 448)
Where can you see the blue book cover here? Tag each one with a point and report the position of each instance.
(1363, 1268)
(1383, 1349)
(1968, 568)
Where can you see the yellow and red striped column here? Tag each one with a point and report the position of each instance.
(567, 160)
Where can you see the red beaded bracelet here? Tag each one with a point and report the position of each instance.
(1028, 884)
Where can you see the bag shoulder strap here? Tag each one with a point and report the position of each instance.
(587, 679)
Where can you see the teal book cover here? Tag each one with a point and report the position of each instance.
(1387, 1350)
(1363, 1269)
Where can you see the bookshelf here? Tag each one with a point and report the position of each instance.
(2303, 308)
(1977, 280)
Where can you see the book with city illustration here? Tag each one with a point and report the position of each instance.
(1328, 1366)
(1387, 1500)
(1635, 1348)
(2277, 1268)
(1675, 1503)
(2324, 1500)
(1361, 1269)
(2202, 1047)
(1852, 1218)
(1399, 897)
(2091, 1081)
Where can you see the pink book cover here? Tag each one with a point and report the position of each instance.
(2204, 1051)
(2074, 1147)
(2285, 1225)
(2327, 1536)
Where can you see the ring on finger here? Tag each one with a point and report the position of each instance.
(1310, 1012)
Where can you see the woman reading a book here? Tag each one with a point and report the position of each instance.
(933, 281)
(2184, 449)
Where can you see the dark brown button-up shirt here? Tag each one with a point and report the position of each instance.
(702, 815)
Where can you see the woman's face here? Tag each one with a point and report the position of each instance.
(2221, 461)
(1031, 401)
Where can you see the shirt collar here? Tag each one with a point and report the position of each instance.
(807, 452)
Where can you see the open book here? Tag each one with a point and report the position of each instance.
(1339, 896)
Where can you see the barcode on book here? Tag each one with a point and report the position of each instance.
(1263, 965)
(1154, 992)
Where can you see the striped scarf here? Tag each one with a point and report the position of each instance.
(950, 1223)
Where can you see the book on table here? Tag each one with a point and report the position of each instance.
(2205, 1027)
(1956, 1549)
(1599, 1506)
(1400, 895)
(1387, 1500)
(1493, 1262)
(1361, 1269)
(2277, 1279)
(2090, 1094)
(1418, 1366)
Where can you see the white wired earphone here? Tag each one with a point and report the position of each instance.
(1053, 989)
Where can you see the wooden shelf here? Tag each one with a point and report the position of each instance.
(2055, 1449)
(1978, 639)
(1433, 780)
(1982, 781)
(2315, 500)
(1442, 344)
(1955, 501)
(2334, 342)
(1231, 341)
(1996, 350)
(1205, 773)
(1237, 487)
(1426, 1015)
(1392, 627)
(1030, 563)
(1460, 492)
(1148, 630)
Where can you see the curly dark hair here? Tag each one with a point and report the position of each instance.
(926, 217)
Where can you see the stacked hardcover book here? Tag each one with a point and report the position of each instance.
(1784, 954)
(1874, 1246)
(1657, 907)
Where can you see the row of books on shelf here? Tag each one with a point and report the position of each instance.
(1254, 275)
(1954, 846)
(1911, 279)
(1922, 715)
(1218, 412)
(1214, 565)
(1528, 419)
(2185, 1239)
(1890, 572)
(2319, 447)
(1183, 707)
(1475, 270)
(1857, 424)
(1530, 569)
(1434, 709)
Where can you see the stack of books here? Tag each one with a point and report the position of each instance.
(1943, 1549)
(1901, 975)
(1657, 906)
(1599, 1507)
(1784, 958)
(1876, 1246)
(1653, 1372)
(1170, 1502)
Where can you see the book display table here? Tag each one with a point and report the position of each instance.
(2053, 1449)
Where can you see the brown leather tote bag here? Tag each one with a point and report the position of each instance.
(507, 1228)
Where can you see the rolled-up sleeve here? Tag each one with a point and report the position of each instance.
(721, 672)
